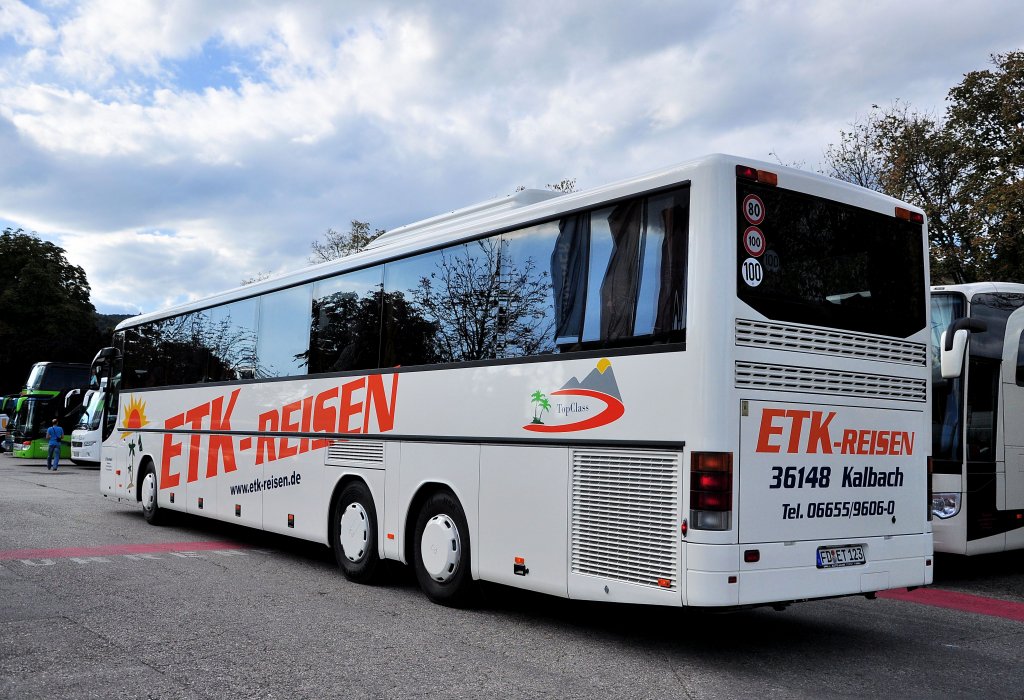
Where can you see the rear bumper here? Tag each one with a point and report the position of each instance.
(788, 572)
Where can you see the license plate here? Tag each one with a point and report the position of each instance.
(847, 555)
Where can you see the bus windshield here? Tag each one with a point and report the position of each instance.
(947, 394)
(49, 377)
(92, 416)
(823, 263)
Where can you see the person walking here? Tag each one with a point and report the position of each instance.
(54, 433)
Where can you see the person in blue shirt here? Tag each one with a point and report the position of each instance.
(54, 433)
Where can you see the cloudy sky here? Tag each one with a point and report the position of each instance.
(175, 148)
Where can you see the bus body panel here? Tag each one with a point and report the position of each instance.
(824, 470)
(524, 531)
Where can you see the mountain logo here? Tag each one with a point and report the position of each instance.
(578, 405)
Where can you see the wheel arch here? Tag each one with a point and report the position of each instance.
(332, 508)
(145, 464)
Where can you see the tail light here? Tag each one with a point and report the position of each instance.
(763, 176)
(711, 490)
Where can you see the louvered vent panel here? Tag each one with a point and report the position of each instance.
(357, 452)
(625, 515)
(779, 336)
(754, 375)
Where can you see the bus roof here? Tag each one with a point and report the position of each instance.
(520, 209)
(972, 288)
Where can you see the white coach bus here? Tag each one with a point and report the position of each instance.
(706, 386)
(978, 417)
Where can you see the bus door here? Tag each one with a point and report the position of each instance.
(1013, 410)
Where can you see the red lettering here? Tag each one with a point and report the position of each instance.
(307, 418)
(286, 449)
(849, 442)
(195, 417)
(349, 407)
(171, 450)
(882, 444)
(220, 419)
(908, 443)
(267, 422)
(768, 428)
(863, 442)
(796, 427)
(325, 418)
(818, 435)
(384, 412)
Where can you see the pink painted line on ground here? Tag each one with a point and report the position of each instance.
(115, 549)
(960, 601)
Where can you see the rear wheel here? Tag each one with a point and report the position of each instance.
(441, 551)
(354, 533)
(151, 510)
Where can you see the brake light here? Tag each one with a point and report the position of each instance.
(913, 217)
(711, 490)
(763, 176)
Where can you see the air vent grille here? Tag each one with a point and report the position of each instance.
(780, 336)
(355, 452)
(753, 375)
(625, 516)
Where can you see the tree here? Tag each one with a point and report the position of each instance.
(338, 244)
(45, 312)
(965, 169)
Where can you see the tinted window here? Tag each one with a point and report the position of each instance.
(526, 308)
(231, 339)
(827, 264)
(345, 332)
(283, 346)
(947, 394)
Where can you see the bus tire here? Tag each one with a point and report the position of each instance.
(151, 510)
(354, 533)
(441, 551)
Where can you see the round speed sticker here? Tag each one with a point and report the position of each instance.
(753, 241)
(752, 272)
(753, 209)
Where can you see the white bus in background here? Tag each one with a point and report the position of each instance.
(705, 386)
(87, 438)
(978, 417)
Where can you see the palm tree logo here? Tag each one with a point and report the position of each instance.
(542, 405)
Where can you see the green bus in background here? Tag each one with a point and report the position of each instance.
(42, 399)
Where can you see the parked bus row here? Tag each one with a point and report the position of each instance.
(52, 391)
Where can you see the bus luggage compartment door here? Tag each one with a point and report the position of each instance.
(812, 471)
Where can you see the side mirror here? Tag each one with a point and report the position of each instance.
(70, 395)
(954, 345)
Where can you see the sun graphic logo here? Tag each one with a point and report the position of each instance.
(134, 417)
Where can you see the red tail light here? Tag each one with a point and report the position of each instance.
(711, 490)
(763, 176)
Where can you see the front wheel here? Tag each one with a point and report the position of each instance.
(354, 533)
(151, 510)
(441, 551)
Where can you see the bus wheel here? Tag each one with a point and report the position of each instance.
(151, 511)
(354, 533)
(441, 551)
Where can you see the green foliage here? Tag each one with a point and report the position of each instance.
(966, 170)
(45, 312)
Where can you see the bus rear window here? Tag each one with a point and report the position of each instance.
(808, 260)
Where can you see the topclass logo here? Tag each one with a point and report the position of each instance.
(578, 405)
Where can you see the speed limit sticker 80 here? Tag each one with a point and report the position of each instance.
(753, 209)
